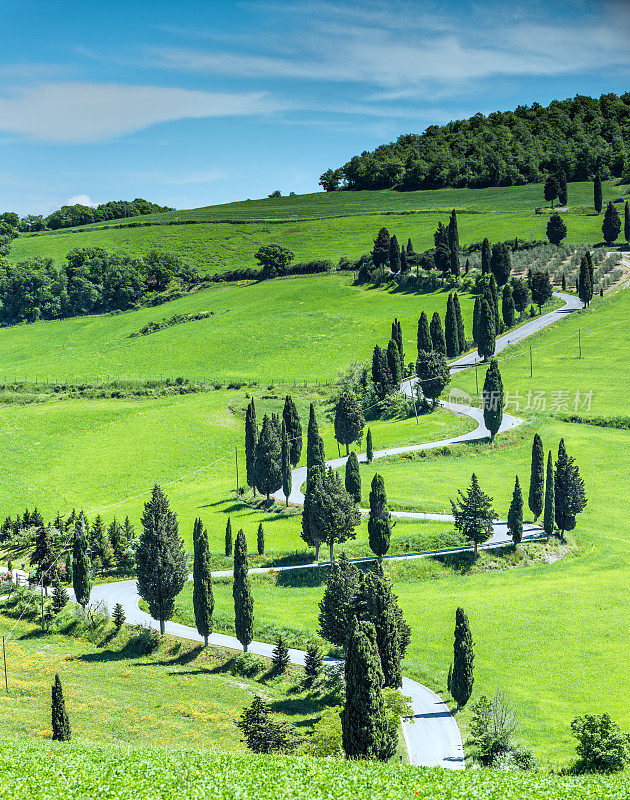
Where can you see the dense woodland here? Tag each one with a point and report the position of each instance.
(69, 216)
(579, 136)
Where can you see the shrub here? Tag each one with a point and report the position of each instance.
(602, 746)
(248, 665)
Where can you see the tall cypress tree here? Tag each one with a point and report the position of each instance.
(453, 243)
(251, 439)
(365, 731)
(476, 320)
(285, 456)
(242, 593)
(369, 448)
(337, 607)
(437, 334)
(462, 677)
(549, 518)
(379, 521)
(397, 337)
(294, 430)
(380, 251)
(585, 286)
(569, 494)
(160, 558)
(228, 538)
(515, 515)
(597, 194)
(425, 344)
(60, 722)
(450, 329)
(81, 565)
(487, 331)
(260, 539)
(611, 226)
(494, 294)
(381, 374)
(203, 598)
(310, 531)
(461, 337)
(393, 362)
(353, 478)
(409, 247)
(500, 263)
(507, 307)
(492, 399)
(404, 264)
(626, 222)
(268, 459)
(486, 257)
(537, 478)
(394, 255)
(313, 446)
(550, 189)
(43, 556)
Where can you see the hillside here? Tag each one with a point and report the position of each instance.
(577, 136)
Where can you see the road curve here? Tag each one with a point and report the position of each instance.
(433, 737)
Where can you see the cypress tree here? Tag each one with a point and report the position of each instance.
(515, 515)
(260, 539)
(611, 226)
(492, 399)
(564, 282)
(393, 362)
(409, 247)
(379, 521)
(336, 608)
(486, 257)
(397, 337)
(563, 194)
(60, 596)
(268, 459)
(597, 194)
(461, 337)
(365, 731)
(551, 189)
(453, 242)
(494, 295)
(507, 307)
(349, 420)
(251, 439)
(285, 456)
(626, 222)
(313, 446)
(369, 449)
(353, 478)
(500, 263)
(380, 373)
(81, 565)
(43, 556)
(203, 598)
(404, 264)
(556, 229)
(68, 565)
(450, 329)
(394, 255)
(585, 287)
(537, 478)
(310, 530)
(437, 334)
(474, 515)
(487, 331)
(294, 430)
(313, 663)
(442, 255)
(160, 558)
(425, 344)
(280, 659)
(380, 251)
(60, 721)
(242, 593)
(476, 320)
(228, 538)
(462, 677)
(569, 494)
(549, 518)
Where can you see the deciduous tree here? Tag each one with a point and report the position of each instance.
(433, 374)
(349, 419)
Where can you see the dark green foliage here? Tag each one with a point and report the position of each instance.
(556, 229)
(450, 329)
(294, 429)
(492, 728)
(462, 678)
(507, 306)
(564, 282)
(381, 374)
(336, 608)
(515, 515)
(314, 446)
(569, 494)
(549, 518)
(268, 459)
(487, 331)
(563, 192)
(70, 216)
(397, 337)
(433, 374)
(424, 335)
(251, 439)
(274, 260)
(261, 733)
(404, 264)
(365, 732)
(542, 290)
(585, 285)
(442, 254)
(551, 189)
(394, 255)
(353, 478)
(602, 746)
(313, 663)
(44, 556)
(68, 565)
(160, 558)
(437, 334)
(228, 538)
(285, 460)
(310, 529)
(626, 222)
(60, 722)
(461, 336)
(474, 514)
(486, 256)
(118, 616)
(60, 596)
(492, 399)
(597, 194)
(260, 540)
(537, 478)
(453, 243)
(380, 251)
(493, 297)
(394, 365)
(369, 449)
(280, 659)
(476, 320)
(611, 226)
(501, 263)
(379, 521)
(242, 593)
(81, 565)
(349, 420)
(521, 293)
(203, 599)
(333, 515)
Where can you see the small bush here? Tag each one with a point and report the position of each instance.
(248, 665)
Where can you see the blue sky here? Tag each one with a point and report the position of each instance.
(190, 103)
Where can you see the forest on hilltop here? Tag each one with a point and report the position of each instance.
(579, 136)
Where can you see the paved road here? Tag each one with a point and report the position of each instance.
(433, 738)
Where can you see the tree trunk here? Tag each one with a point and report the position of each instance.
(244, 648)
(332, 558)
(286, 500)
(475, 549)
(347, 449)
(205, 641)
(161, 627)
(317, 546)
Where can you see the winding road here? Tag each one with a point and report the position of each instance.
(432, 737)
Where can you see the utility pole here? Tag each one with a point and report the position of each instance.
(236, 454)
(531, 363)
(42, 605)
(6, 677)
(476, 379)
(580, 341)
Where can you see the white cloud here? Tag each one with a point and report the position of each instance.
(81, 199)
(91, 112)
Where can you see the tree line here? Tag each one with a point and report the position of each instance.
(70, 216)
